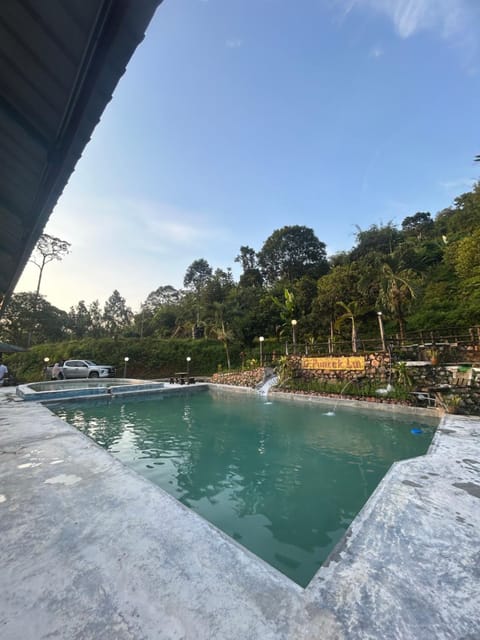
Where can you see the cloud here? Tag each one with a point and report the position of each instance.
(234, 43)
(459, 183)
(130, 245)
(451, 19)
(131, 223)
(376, 52)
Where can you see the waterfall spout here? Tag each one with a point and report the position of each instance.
(266, 385)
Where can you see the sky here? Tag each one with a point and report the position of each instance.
(237, 118)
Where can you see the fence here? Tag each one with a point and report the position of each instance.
(453, 343)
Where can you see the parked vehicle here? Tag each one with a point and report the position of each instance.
(85, 369)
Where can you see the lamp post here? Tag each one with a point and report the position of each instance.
(188, 366)
(46, 360)
(261, 339)
(294, 324)
(382, 334)
(126, 359)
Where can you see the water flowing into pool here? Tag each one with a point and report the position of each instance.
(332, 412)
(267, 385)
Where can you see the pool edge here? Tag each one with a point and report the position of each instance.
(363, 591)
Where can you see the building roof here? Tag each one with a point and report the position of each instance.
(59, 64)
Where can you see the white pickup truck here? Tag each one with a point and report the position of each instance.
(85, 369)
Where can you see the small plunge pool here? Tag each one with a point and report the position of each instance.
(54, 390)
(284, 479)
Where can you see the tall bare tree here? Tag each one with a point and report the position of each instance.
(48, 248)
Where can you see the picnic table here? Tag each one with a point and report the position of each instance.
(180, 376)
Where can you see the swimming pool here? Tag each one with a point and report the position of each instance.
(53, 390)
(284, 480)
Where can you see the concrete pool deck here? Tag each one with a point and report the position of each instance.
(89, 549)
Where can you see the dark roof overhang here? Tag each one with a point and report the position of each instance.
(60, 61)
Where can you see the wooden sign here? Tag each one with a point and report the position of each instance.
(342, 363)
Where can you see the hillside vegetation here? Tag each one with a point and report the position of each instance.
(422, 275)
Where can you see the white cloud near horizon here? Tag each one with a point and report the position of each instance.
(132, 246)
(115, 219)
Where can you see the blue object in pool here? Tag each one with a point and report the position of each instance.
(416, 431)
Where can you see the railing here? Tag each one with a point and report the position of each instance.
(416, 344)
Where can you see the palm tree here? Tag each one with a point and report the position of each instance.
(287, 309)
(396, 292)
(220, 331)
(351, 311)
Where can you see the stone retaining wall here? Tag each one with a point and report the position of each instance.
(250, 378)
(424, 377)
(377, 367)
(468, 394)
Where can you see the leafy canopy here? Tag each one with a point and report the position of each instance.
(292, 252)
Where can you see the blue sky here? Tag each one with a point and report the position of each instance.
(236, 118)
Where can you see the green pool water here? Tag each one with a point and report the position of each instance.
(282, 478)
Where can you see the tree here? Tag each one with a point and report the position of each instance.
(116, 315)
(286, 306)
(304, 290)
(247, 257)
(196, 277)
(342, 283)
(292, 252)
(251, 276)
(217, 289)
(152, 311)
(396, 291)
(80, 320)
(463, 217)
(251, 279)
(48, 248)
(419, 225)
(29, 317)
(220, 330)
(464, 255)
(376, 239)
(339, 259)
(96, 329)
(247, 315)
(351, 311)
(419, 254)
(163, 323)
(165, 294)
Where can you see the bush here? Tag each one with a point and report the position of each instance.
(148, 357)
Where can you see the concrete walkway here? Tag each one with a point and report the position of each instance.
(90, 550)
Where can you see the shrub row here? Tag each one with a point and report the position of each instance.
(148, 357)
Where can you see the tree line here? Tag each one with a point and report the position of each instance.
(422, 274)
